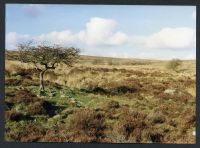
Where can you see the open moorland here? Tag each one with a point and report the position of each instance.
(106, 100)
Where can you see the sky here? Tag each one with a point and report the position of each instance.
(124, 31)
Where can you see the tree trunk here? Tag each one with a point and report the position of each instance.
(42, 80)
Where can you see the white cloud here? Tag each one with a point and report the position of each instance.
(12, 39)
(100, 31)
(63, 37)
(194, 15)
(168, 38)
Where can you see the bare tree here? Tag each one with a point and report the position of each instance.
(46, 57)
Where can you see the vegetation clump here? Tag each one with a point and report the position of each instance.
(13, 82)
(24, 96)
(13, 115)
(49, 57)
(91, 124)
(29, 133)
(174, 64)
(113, 104)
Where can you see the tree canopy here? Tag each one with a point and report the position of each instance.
(49, 57)
(46, 55)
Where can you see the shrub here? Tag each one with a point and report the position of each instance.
(8, 105)
(131, 125)
(113, 104)
(37, 108)
(157, 118)
(122, 90)
(42, 107)
(189, 119)
(30, 133)
(177, 95)
(25, 72)
(99, 90)
(25, 96)
(7, 73)
(27, 81)
(89, 123)
(174, 64)
(13, 82)
(9, 92)
(155, 136)
(54, 136)
(15, 116)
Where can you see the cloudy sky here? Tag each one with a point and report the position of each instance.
(148, 32)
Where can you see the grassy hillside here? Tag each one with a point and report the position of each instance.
(100, 99)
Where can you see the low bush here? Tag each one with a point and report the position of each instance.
(89, 123)
(157, 118)
(155, 136)
(36, 108)
(174, 64)
(27, 81)
(177, 95)
(13, 82)
(42, 107)
(30, 133)
(54, 136)
(122, 90)
(113, 104)
(24, 96)
(7, 73)
(132, 125)
(15, 116)
(8, 105)
(9, 92)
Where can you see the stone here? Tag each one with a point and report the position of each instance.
(169, 91)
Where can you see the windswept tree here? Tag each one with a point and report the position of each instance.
(46, 57)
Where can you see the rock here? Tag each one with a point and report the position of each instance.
(194, 133)
(62, 96)
(56, 117)
(73, 101)
(79, 104)
(170, 91)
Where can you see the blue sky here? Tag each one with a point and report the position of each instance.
(153, 32)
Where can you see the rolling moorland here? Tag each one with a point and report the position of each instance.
(105, 100)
